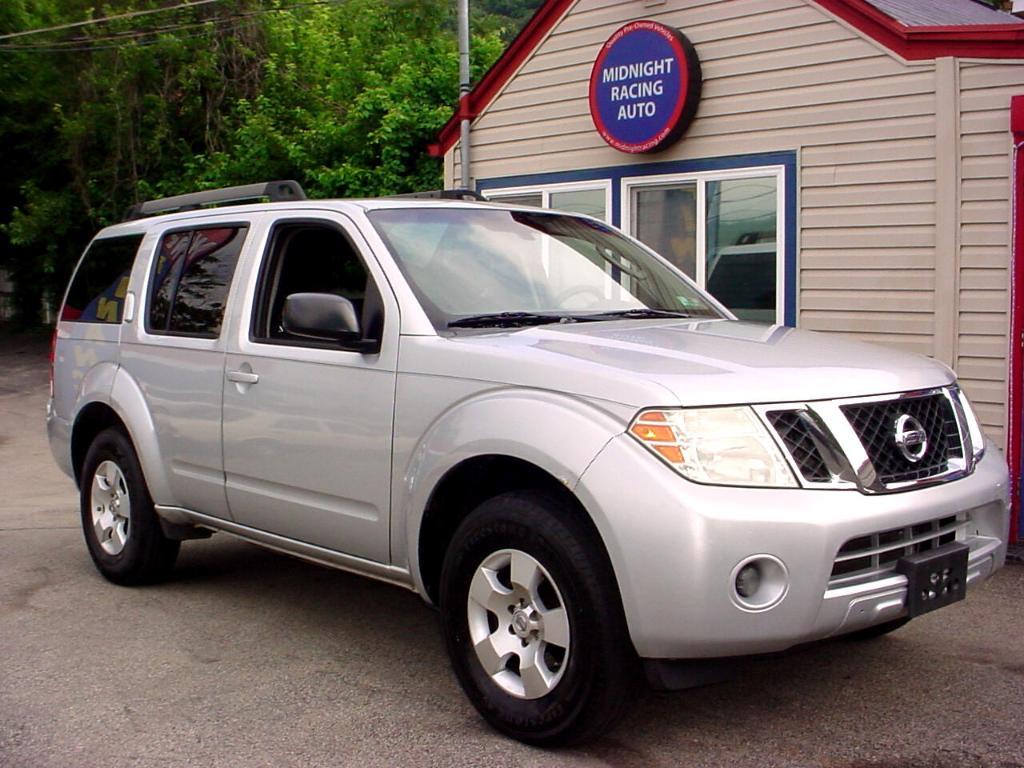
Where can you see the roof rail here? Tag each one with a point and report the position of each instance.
(274, 191)
(445, 194)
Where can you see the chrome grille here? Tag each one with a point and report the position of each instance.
(796, 436)
(874, 556)
(880, 444)
(875, 423)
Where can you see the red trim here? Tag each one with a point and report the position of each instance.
(1015, 394)
(989, 41)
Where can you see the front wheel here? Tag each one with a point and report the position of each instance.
(120, 525)
(533, 621)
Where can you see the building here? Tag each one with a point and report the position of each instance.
(849, 167)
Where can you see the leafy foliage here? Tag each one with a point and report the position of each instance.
(343, 96)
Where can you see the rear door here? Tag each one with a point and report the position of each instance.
(175, 352)
(307, 425)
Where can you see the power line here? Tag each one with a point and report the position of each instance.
(105, 19)
(137, 40)
(81, 44)
(87, 43)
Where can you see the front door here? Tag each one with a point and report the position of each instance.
(307, 425)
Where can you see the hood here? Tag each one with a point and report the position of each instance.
(685, 362)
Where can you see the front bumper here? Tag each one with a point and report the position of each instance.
(675, 545)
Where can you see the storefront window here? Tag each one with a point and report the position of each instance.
(587, 201)
(535, 199)
(740, 245)
(591, 200)
(666, 220)
(721, 230)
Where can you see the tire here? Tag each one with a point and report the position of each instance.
(559, 663)
(127, 545)
(870, 633)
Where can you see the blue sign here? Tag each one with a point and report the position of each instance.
(645, 87)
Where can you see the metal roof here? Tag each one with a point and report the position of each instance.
(943, 13)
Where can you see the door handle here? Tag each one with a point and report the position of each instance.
(243, 377)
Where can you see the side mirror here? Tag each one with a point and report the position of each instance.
(325, 317)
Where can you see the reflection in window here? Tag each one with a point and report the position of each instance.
(98, 289)
(590, 202)
(741, 245)
(666, 220)
(488, 261)
(536, 199)
(191, 279)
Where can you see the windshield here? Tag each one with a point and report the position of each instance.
(473, 267)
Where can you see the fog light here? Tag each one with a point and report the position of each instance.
(748, 580)
(759, 582)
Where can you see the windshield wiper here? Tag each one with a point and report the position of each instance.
(640, 312)
(507, 320)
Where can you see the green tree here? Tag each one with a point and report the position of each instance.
(343, 97)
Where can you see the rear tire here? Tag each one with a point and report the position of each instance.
(120, 525)
(533, 621)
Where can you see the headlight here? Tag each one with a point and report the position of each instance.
(722, 446)
(973, 425)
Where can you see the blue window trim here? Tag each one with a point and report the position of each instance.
(616, 174)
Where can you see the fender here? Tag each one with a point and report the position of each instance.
(96, 383)
(558, 433)
(129, 404)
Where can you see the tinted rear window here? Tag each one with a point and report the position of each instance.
(191, 280)
(100, 284)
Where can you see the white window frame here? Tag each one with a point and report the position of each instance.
(545, 191)
(629, 184)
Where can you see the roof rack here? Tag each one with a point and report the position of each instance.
(445, 194)
(274, 191)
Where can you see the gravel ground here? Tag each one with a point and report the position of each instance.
(248, 658)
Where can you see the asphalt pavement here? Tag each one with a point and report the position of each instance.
(250, 658)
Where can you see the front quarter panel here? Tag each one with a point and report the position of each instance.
(442, 422)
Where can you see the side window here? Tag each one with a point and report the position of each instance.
(100, 283)
(312, 258)
(191, 279)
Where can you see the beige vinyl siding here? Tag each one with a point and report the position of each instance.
(984, 232)
(862, 122)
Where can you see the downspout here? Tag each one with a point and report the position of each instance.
(464, 92)
(1015, 438)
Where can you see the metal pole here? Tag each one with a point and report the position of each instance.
(463, 6)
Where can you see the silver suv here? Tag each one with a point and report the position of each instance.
(540, 426)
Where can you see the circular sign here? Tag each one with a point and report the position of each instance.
(644, 87)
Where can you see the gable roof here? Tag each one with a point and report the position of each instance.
(928, 13)
(912, 29)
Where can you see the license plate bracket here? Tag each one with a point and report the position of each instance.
(935, 578)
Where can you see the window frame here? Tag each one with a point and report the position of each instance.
(151, 279)
(261, 289)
